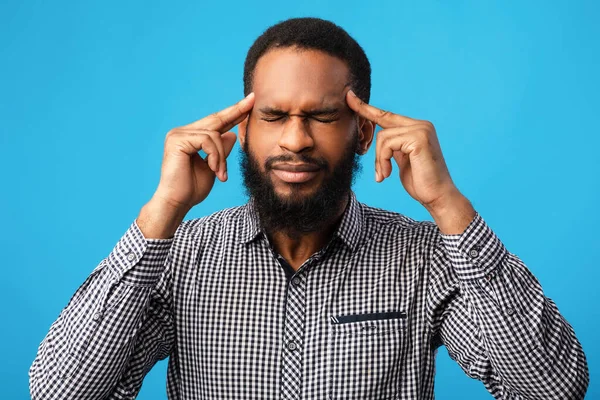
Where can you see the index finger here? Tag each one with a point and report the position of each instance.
(227, 118)
(384, 119)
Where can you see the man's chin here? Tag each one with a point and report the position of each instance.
(295, 193)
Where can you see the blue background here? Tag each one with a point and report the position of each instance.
(88, 91)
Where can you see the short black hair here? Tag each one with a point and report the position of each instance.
(313, 34)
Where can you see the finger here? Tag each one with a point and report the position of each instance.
(219, 155)
(401, 159)
(385, 119)
(228, 139)
(222, 168)
(193, 142)
(212, 153)
(226, 119)
(379, 139)
(386, 153)
(388, 142)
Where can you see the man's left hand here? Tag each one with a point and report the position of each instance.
(414, 145)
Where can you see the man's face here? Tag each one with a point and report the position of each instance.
(301, 137)
(300, 109)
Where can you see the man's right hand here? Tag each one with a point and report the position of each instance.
(186, 178)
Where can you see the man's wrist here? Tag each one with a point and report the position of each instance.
(159, 220)
(453, 213)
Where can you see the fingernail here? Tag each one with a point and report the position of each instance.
(352, 93)
(249, 95)
(225, 175)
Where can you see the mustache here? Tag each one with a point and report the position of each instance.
(321, 163)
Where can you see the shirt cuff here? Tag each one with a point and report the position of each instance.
(476, 252)
(139, 261)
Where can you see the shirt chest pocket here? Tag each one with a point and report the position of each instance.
(365, 356)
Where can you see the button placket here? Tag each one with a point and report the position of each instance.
(292, 345)
(292, 354)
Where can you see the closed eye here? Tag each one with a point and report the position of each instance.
(324, 120)
(273, 119)
(321, 120)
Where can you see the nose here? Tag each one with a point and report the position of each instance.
(296, 136)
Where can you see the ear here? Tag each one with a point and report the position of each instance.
(242, 129)
(366, 133)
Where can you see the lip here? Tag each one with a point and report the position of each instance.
(295, 173)
(296, 167)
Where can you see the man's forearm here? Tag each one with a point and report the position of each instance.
(83, 354)
(530, 345)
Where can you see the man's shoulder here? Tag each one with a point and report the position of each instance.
(227, 217)
(380, 218)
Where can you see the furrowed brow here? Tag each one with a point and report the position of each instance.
(322, 112)
(316, 112)
(272, 111)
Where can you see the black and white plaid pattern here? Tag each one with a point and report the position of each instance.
(360, 319)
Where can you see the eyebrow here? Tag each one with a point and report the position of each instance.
(316, 112)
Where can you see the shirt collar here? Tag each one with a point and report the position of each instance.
(250, 223)
(350, 229)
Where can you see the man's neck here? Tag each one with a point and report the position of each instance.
(296, 249)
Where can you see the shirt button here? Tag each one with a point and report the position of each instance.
(131, 256)
(292, 345)
(96, 317)
(474, 253)
(296, 281)
(510, 311)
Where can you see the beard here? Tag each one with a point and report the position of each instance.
(296, 214)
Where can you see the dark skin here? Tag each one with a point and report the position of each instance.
(301, 103)
(300, 107)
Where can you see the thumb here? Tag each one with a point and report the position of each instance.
(229, 139)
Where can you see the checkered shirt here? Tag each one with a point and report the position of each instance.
(360, 319)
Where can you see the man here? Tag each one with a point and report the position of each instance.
(304, 292)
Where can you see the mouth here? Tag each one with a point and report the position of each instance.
(295, 173)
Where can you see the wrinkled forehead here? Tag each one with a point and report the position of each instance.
(292, 79)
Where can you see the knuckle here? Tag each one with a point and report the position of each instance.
(383, 140)
(429, 125)
(171, 133)
(206, 142)
(216, 136)
(200, 133)
(170, 137)
(179, 145)
(219, 118)
(383, 136)
(384, 113)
